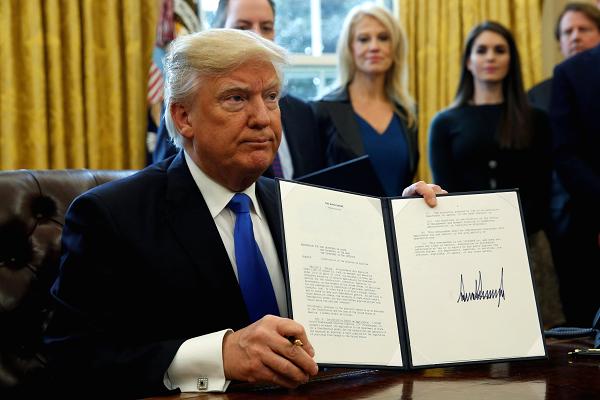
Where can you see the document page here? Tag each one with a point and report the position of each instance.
(466, 279)
(339, 275)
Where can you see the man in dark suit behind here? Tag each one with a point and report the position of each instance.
(577, 29)
(147, 297)
(574, 113)
(300, 152)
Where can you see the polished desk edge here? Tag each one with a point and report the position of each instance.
(559, 377)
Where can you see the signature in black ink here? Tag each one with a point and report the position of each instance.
(480, 293)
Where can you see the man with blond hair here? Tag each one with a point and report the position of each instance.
(300, 152)
(171, 279)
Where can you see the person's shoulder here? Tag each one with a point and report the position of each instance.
(585, 59)
(584, 56)
(540, 95)
(294, 108)
(541, 87)
(339, 94)
(448, 115)
(292, 100)
(138, 186)
(335, 102)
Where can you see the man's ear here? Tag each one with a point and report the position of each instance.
(181, 119)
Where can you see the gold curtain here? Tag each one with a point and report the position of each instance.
(436, 30)
(73, 79)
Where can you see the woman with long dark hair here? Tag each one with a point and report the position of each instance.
(490, 138)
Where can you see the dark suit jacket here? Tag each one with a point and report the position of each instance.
(300, 130)
(143, 269)
(340, 133)
(539, 95)
(575, 112)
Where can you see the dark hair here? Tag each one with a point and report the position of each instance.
(514, 130)
(591, 12)
(221, 14)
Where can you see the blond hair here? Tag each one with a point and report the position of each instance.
(208, 54)
(396, 78)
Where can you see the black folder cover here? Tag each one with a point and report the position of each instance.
(445, 333)
(356, 175)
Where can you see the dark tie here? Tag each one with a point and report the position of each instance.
(276, 167)
(253, 276)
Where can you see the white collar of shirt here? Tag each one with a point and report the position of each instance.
(285, 158)
(197, 356)
(217, 196)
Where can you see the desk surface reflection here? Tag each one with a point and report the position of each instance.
(559, 377)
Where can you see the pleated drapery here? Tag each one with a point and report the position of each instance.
(74, 73)
(73, 82)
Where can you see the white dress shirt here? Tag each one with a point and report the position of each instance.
(285, 158)
(198, 364)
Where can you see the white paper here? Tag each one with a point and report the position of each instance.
(339, 274)
(466, 279)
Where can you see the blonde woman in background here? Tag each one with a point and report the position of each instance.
(370, 111)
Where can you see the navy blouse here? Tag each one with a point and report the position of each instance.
(388, 153)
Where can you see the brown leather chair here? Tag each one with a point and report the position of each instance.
(32, 213)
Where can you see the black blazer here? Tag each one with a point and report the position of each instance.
(539, 96)
(574, 115)
(143, 269)
(340, 133)
(300, 130)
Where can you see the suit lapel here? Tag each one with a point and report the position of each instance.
(267, 196)
(193, 226)
(342, 115)
(291, 134)
(347, 127)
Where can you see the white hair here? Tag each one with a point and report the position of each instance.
(209, 54)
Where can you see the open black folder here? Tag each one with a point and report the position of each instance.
(393, 283)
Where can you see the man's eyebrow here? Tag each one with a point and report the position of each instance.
(232, 89)
(236, 87)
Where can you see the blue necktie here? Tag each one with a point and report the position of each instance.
(253, 276)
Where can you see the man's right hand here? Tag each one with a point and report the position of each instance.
(262, 352)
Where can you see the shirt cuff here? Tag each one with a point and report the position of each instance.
(198, 365)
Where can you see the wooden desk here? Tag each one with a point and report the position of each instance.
(559, 377)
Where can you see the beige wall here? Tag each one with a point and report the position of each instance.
(550, 51)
